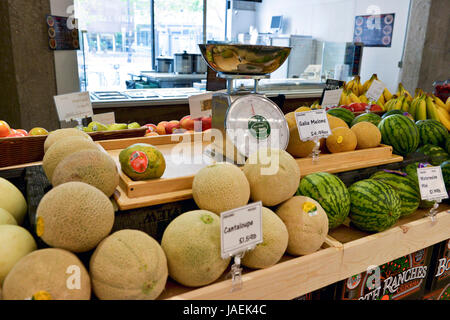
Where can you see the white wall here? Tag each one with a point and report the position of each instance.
(66, 65)
(333, 20)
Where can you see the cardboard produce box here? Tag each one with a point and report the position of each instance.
(438, 282)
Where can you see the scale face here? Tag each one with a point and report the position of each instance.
(253, 121)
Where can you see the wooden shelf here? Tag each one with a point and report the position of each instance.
(346, 252)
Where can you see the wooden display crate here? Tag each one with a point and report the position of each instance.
(346, 252)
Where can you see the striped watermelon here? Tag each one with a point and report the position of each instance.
(447, 144)
(375, 205)
(432, 132)
(391, 112)
(330, 192)
(343, 114)
(445, 167)
(437, 154)
(411, 171)
(401, 133)
(406, 189)
(367, 117)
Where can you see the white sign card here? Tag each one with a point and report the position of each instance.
(105, 118)
(375, 91)
(312, 124)
(241, 229)
(73, 106)
(200, 105)
(331, 98)
(431, 183)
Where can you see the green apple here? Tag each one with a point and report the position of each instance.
(117, 126)
(134, 125)
(97, 126)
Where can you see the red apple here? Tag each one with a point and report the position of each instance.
(161, 128)
(151, 134)
(16, 134)
(172, 125)
(187, 123)
(5, 130)
(150, 128)
(24, 132)
(206, 123)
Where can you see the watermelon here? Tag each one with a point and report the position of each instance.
(375, 205)
(392, 112)
(432, 132)
(367, 117)
(406, 189)
(411, 171)
(330, 192)
(445, 167)
(437, 154)
(343, 114)
(400, 133)
(447, 145)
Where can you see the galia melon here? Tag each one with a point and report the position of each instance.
(6, 217)
(297, 147)
(12, 200)
(63, 148)
(128, 265)
(93, 167)
(15, 243)
(220, 187)
(367, 135)
(341, 140)
(273, 174)
(74, 216)
(59, 134)
(48, 274)
(275, 241)
(306, 222)
(290, 118)
(336, 122)
(191, 243)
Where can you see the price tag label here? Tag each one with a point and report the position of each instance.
(331, 98)
(241, 229)
(312, 124)
(375, 91)
(104, 118)
(431, 183)
(200, 105)
(73, 106)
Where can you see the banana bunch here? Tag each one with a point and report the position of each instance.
(387, 95)
(355, 86)
(368, 83)
(402, 91)
(348, 97)
(396, 103)
(442, 110)
(316, 105)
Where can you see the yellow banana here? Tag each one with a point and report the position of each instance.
(421, 112)
(360, 88)
(405, 105)
(368, 83)
(399, 103)
(438, 102)
(447, 103)
(390, 104)
(444, 117)
(363, 98)
(431, 109)
(354, 98)
(387, 95)
(418, 93)
(414, 105)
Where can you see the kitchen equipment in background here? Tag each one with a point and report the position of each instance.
(183, 62)
(164, 64)
(199, 64)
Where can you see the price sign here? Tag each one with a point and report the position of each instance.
(431, 183)
(331, 85)
(331, 98)
(200, 105)
(375, 91)
(312, 124)
(241, 229)
(73, 106)
(105, 118)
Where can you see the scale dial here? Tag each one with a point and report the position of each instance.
(253, 121)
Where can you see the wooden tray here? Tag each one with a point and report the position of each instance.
(346, 252)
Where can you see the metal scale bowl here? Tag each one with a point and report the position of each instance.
(246, 119)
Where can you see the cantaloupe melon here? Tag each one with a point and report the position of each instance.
(191, 243)
(63, 148)
(128, 265)
(275, 241)
(298, 148)
(93, 167)
(220, 187)
(15, 243)
(290, 118)
(48, 274)
(336, 122)
(341, 140)
(74, 216)
(12, 200)
(273, 174)
(367, 134)
(6, 217)
(306, 222)
(59, 134)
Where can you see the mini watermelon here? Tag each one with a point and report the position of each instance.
(367, 117)
(343, 114)
(437, 154)
(406, 189)
(445, 167)
(330, 192)
(375, 205)
(392, 112)
(411, 171)
(399, 132)
(432, 132)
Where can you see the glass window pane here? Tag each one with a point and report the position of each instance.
(215, 20)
